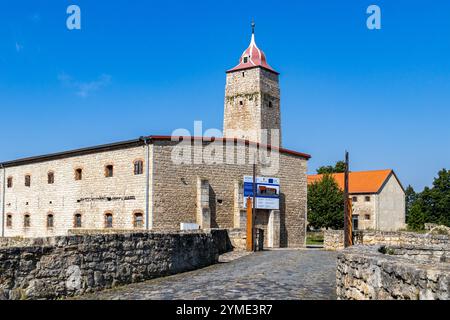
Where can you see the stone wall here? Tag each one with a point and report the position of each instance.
(334, 239)
(252, 104)
(73, 265)
(394, 272)
(94, 195)
(175, 198)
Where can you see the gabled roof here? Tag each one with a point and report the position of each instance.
(361, 181)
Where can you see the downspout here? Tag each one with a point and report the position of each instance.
(3, 199)
(147, 184)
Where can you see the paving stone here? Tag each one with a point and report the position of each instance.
(277, 274)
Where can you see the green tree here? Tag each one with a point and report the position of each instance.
(416, 218)
(432, 205)
(411, 197)
(338, 167)
(325, 204)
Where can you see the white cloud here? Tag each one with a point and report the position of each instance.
(84, 89)
(19, 47)
(35, 17)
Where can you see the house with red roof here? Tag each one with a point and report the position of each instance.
(377, 197)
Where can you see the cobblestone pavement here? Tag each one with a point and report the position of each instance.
(278, 274)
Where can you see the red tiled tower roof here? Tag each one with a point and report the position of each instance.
(253, 57)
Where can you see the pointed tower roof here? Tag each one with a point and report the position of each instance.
(253, 57)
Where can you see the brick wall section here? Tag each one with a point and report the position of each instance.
(175, 193)
(73, 265)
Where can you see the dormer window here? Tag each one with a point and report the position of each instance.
(245, 59)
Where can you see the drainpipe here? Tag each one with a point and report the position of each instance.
(3, 199)
(147, 184)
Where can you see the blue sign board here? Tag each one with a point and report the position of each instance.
(267, 192)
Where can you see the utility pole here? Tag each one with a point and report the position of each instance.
(347, 208)
(254, 207)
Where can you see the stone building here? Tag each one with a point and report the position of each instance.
(378, 199)
(160, 182)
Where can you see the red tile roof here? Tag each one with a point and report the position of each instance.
(252, 57)
(360, 181)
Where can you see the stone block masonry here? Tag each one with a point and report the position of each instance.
(397, 272)
(334, 239)
(74, 265)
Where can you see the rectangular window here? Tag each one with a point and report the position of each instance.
(10, 182)
(27, 180)
(355, 199)
(138, 167)
(367, 216)
(367, 198)
(51, 178)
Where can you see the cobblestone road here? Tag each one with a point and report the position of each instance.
(279, 274)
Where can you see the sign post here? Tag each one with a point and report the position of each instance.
(249, 242)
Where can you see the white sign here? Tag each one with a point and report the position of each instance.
(267, 192)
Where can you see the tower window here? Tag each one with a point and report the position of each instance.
(77, 220)
(355, 199)
(109, 171)
(138, 220)
(138, 167)
(367, 216)
(27, 180)
(367, 198)
(10, 182)
(78, 174)
(241, 103)
(270, 104)
(9, 221)
(51, 178)
(26, 221)
(50, 220)
(108, 220)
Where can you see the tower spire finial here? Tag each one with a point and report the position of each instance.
(253, 26)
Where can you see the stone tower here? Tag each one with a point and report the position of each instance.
(252, 99)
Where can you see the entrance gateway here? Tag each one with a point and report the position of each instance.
(267, 207)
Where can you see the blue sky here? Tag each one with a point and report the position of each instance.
(149, 67)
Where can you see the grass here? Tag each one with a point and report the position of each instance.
(314, 238)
